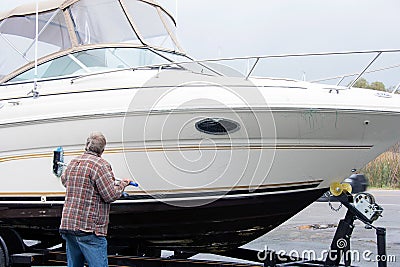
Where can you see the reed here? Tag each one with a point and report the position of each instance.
(384, 171)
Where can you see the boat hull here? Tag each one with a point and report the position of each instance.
(221, 225)
(303, 145)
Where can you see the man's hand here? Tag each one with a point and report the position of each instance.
(126, 182)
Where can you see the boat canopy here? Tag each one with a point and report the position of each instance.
(65, 25)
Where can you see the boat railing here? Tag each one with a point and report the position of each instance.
(343, 76)
(396, 88)
(257, 59)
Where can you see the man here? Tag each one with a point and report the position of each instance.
(90, 188)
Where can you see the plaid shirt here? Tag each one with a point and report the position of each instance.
(90, 188)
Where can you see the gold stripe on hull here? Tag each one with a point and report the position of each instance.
(188, 148)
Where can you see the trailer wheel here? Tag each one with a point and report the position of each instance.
(10, 243)
(2, 257)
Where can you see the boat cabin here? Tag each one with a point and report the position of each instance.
(83, 36)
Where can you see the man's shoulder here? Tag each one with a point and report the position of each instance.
(96, 160)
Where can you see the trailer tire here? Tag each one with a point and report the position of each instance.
(2, 257)
(10, 243)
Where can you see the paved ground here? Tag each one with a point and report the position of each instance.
(295, 235)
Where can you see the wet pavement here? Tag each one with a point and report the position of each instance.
(314, 227)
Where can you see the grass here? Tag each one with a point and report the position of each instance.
(384, 171)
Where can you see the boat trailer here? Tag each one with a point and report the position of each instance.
(362, 206)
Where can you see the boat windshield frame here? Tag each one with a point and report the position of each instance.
(185, 62)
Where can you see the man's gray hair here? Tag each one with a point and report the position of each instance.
(96, 143)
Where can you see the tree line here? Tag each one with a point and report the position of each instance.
(384, 171)
(363, 83)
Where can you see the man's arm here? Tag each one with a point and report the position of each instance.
(106, 187)
(64, 175)
(64, 179)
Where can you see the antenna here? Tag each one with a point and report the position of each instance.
(303, 77)
(176, 10)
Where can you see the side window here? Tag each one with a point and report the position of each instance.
(58, 67)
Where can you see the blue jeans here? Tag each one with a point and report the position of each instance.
(89, 247)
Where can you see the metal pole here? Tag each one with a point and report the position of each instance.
(341, 241)
(34, 91)
(365, 69)
(252, 68)
(381, 242)
(396, 88)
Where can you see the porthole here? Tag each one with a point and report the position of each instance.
(217, 126)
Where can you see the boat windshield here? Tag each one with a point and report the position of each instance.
(98, 60)
(70, 25)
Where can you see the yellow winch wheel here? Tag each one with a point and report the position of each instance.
(347, 187)
(337, 188)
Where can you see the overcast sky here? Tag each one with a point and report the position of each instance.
(233, 28)
(227, 28)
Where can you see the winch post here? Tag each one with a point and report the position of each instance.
(381, 243)
(345, 229)
(341, 242)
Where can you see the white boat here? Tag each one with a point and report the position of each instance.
(220, 160)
